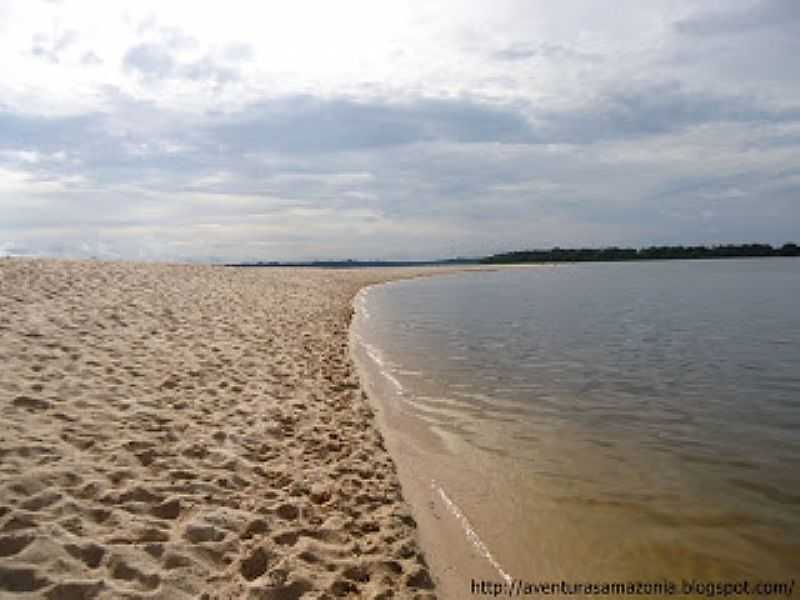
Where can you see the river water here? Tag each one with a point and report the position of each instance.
(610, 420)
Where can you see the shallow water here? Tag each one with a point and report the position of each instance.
(637, 420)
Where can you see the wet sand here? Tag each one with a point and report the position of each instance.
(173, 431)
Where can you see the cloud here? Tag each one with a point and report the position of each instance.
(208, 70)
(39, 133)
(50, 47)
(476, 169)
(523, 51)
(150, 60)
(303, 124)
(653, 108)
(238, 52)
(90, 59)
(155, 61)
(764, 14)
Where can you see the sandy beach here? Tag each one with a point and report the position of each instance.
(173, 431)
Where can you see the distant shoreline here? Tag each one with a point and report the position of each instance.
(360, 264)
(554, 255)
(616, 254)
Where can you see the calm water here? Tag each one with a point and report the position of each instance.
(628, 419)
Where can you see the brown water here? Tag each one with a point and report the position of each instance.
(608, 422)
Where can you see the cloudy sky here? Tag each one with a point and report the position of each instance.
(302, 130)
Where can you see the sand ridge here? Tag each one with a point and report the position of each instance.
(173, 431)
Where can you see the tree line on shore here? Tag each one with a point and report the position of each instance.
(649, 253)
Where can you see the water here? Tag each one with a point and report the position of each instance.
(637, 420)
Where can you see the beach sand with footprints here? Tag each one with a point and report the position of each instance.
(173, 431)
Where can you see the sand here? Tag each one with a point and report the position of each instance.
(173, 431)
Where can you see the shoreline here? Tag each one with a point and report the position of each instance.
(183, 431)
(454, 550)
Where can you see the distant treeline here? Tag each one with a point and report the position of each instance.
(650, 253)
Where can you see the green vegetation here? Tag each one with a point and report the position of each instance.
(650, 253)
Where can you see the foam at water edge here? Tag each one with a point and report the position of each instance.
(385, 370)
(375, 355)
(469, 531)
(361, 303)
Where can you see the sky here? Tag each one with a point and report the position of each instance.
(211, 131)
